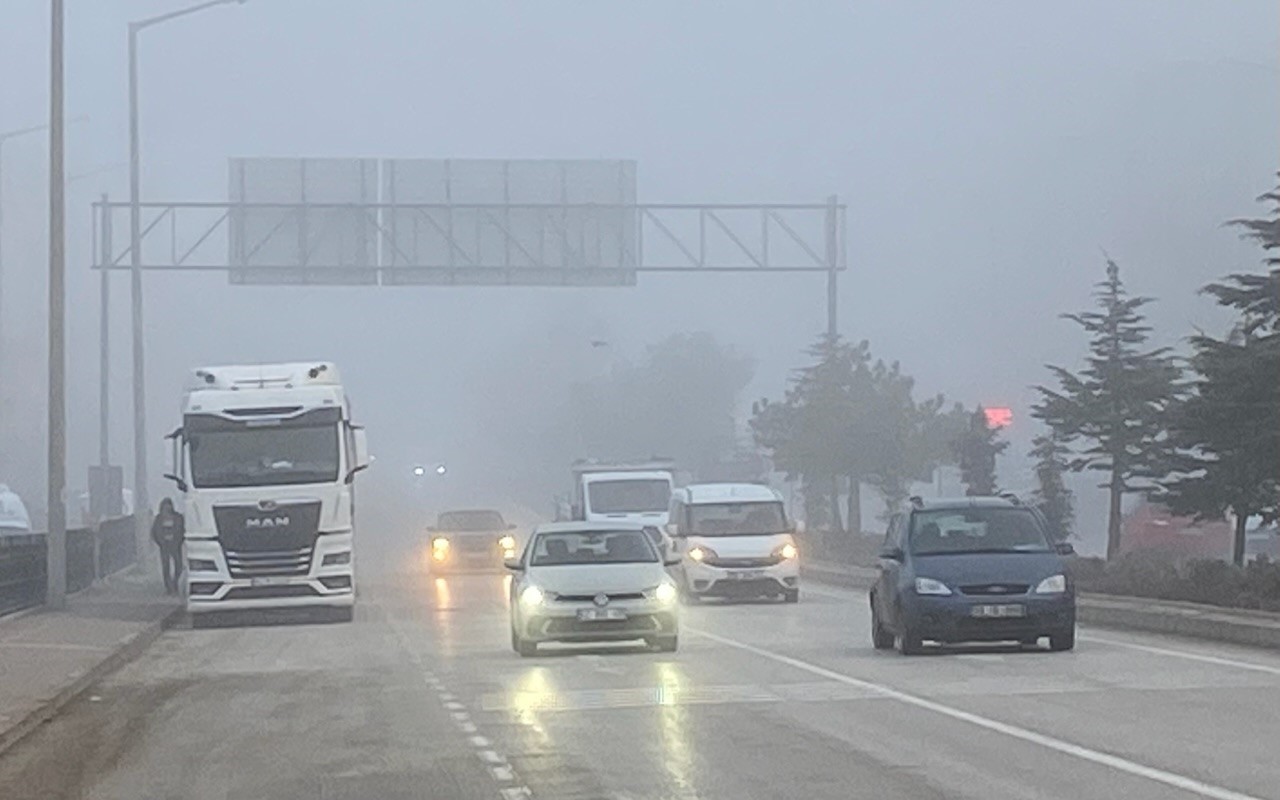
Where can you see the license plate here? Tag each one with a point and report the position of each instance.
(600, 614)
(745, 574)
(999, 611)
(269, 580)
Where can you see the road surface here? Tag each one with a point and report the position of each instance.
(422, 698)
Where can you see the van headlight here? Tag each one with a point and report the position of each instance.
(666, 593)
(931, 586)
(1054, 584)
(787, 552)
(532, 597)
(699, 553)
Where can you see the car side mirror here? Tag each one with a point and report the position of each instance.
(513, 564)
(511, 526)
(672, 561)
(432, 529)
(179, 482)
(797, 527)
(1064, 549)
(892, 554)
(673, 530)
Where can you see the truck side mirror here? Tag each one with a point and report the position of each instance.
(673, 530)
(360, 459)
(892, 554)
(179, 482)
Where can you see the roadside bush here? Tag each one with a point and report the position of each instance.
(1156, 575)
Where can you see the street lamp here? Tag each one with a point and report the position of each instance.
(142, 506)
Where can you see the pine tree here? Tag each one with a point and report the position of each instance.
(1228, 429)
(1051, 496)
(1115, 408)
(975, 452)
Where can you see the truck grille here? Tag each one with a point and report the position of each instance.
(259, 564)
(260, 542)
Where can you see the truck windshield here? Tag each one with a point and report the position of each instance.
(264, 456)
(635, 496)
(736, 519)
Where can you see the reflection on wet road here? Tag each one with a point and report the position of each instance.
(423, 697)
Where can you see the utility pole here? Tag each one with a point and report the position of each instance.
(104, 341)
(56, 543)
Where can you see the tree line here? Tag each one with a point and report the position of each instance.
(1196, 431)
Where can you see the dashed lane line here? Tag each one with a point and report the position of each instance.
(1118, 763)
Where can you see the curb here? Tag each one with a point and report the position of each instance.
(1191, 620)
(122, 655)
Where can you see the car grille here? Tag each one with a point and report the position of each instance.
(475, 544)
(742, 563)
(639, 625)
(994, 589)
(590, 598)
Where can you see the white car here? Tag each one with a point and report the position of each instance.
(735, 541)
(592, 582)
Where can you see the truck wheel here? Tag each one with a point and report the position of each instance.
(791, 596)
(1065, 639)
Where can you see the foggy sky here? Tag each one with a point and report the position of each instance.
(989, 152)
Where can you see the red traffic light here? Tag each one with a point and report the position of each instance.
(999, 417)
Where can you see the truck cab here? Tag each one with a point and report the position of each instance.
(266, 460)
(617, 492)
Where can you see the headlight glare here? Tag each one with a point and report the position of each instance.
(532, 596)
(507, 542)
(666, 593)
(788, 551)
(931, 586)
(699, 553)
(1054, 584)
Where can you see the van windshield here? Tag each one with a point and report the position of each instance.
(737, 519)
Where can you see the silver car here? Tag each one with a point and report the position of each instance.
(592, 582)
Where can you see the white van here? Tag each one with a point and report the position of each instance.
(735, 541)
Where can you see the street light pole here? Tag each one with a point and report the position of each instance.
(141, 498)
(56, 542)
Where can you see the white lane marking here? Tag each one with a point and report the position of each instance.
(467, 727)
(460, 716)
(479, 741)
(446, 697)
(1079, 751)
(491, 757)
(502, 774)
(516, 793)
(1184, 654)
(454, 705)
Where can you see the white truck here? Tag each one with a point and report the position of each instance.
(631, 492)
(266, 460)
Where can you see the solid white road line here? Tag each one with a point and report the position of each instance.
(1049, 742)
(1184, 654)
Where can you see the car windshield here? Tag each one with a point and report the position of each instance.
(737, 519)
(471, 521)
(592, 547)
(976, 530)
(633, 496)
(264, 456)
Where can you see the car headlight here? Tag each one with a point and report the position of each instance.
(201, 565)
(787, 552)
(666, 593)
(930, 586)
(336, 559)
(439, 548)
(507, 542)
(532, 596)
(700, 553)
(1054, 584)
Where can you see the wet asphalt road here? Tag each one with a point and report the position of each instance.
(422, 698)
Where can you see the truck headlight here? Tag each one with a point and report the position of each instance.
(201, 565)
(439, 548)
(930, 586)
(532, 596)
(1054, 584)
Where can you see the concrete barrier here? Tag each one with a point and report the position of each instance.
(1194, 620)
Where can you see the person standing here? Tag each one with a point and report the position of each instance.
(167, 532)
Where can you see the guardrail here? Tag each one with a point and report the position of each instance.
(92, 553)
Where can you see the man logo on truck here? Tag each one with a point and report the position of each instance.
(267, 522)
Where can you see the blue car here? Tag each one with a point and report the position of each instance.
(974, 569)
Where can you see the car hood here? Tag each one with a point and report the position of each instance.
(589, 579)
(739, 546)
(969, 568)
